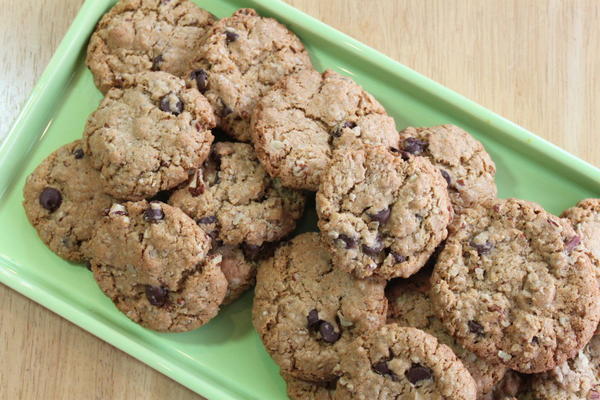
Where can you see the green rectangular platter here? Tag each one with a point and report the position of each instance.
(225, 358)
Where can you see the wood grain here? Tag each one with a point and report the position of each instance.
(535, 62)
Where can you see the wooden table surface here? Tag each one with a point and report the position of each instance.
(535, 62)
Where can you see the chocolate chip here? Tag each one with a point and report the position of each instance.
(572, 243)
(156, 61)
(328, 333)
(348, 241)
(157, 295)
(312, 319)
(207, 220)
(78, 154)
(482, 248)
(475, 327)
(381, 216)
(231, 36)
(535, 340)
(154, 213)
(225, 111)
(399, 258)
(414, 146)
(446, 176)
(337, 132)
(201, 78)
(381, 367)
(50, 199)
(417, 373)
(373, 250)
(167, 105)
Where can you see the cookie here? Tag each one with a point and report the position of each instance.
(409, 305)
(297, 125)
(146, 136)
(510, 387)
(153, 261)
(63, 200)
(585, 217)
(239, 270)
(402, 363)
(513, 286)
(146, 35)
(578, 378)
(306, 312)
(381, 215)
(298, 389)
(463, 162)
(235, 200)
(242, 58)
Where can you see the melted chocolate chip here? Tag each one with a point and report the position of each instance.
(157, 295)
(414, 146)
(572, 243)
(207, 220)
(349, 242)
(373, 250)
(381, 367)
(482, 248)
(475, 327)
(328, 333)
(50, 199)
(417, 373)
(337, 132)
(446, 176)
(167, 105)
(154, 214)
(156, 61)
(399, 258)
(78, 154)
(381, 216)
(231, 36)
(201, 78)
(312, 319)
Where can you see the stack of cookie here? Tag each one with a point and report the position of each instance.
(420, 283)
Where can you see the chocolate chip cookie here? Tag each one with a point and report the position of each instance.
(381, 215)
(146, 35)
(153, 261)
(409, 305)
(146, 136)
(578, 378)
(233, 199)
(513, 285)
(585, 217)
(463, 162)
(298, 124)
(298, 389)
(402, 363)
(242, 58)
(63, 200)
(306, 312)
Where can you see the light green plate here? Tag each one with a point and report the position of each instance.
(225, 359)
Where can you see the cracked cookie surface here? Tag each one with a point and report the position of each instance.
(298, 124)
(514, 285)
(381, 215)
(242, 58)
(146, 35)
(402, 363)
(578, 378)
(147, 136)
(63, 200)
(306, 311)
(410, 305)
(153, 261)
(233, 199)
(463, 162)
